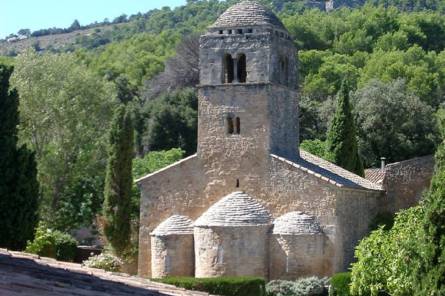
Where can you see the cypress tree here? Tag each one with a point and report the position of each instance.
(118, 182)
(431, 275)
(341, 144)
(19, 189)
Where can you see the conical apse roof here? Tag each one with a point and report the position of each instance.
(176, 224)
(295, 223)
(247, 13)
(235, 209)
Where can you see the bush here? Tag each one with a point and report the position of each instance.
(224, 286)
(340, 284)
(280, 288)
(53, 243)
(311, 286)
(104, 261)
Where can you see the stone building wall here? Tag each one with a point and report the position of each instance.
(355, 210)
(405, 182)
(191, 187)
(295, 256)
(173, 255)
(235, 251)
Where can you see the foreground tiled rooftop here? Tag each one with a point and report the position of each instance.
(29, 275)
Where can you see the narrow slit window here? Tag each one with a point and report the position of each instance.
(242, 68)
(230, 127)
(228, 69)
(238, 125)
(237, 183)
(284, 70)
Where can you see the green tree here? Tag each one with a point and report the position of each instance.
(19, 189)
(431, 275)
(65, 112)
(172, 121)
(118, 182)
(74, 26)
(341, 143)
(393, 122)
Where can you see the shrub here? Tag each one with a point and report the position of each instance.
(340, 284)
(104, 261)
(224, 286)
(53, 243)
(280, 288)
(311, 286)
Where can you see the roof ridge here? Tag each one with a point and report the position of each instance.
(330, 172)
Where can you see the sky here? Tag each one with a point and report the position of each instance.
(42, 14)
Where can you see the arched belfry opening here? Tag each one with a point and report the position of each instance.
(228, 68)
(241, 68)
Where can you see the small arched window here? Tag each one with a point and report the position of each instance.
(228, 69)
(242, 68)
(238, 125)
(230, 126)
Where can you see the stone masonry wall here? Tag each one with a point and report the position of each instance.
(233, 251)
(405, 182)
(173, 255)
(295, 256)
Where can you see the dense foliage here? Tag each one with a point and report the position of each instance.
(408, 258)
(340, 284)
(393, 122)
(53, 243)
(19, 189)
(430, 277)
(224, 286)
(119, 181)
(65, 111)
(341, 142)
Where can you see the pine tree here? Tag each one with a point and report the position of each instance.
(341, 144)
(431, 276)
(19, 189)
(118, 181)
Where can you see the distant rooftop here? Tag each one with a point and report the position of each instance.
(247, 13)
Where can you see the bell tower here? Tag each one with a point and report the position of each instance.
(248, 104)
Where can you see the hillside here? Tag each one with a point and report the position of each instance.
(195, 14)
(54, 42)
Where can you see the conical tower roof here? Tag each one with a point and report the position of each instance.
(295, 223)
(247, 13)
(176, 224)
(235, 209)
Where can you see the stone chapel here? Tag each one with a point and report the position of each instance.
(249, 202)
